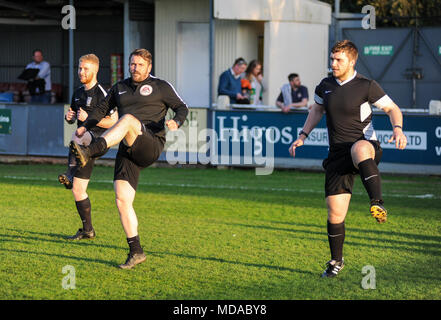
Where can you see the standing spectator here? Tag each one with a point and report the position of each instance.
(293, 94)
(254, 75)
(40, 87)
(229, 81)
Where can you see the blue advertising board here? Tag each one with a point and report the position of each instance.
(423, 133)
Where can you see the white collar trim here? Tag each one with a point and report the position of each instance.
(232, 72)
(347, 80)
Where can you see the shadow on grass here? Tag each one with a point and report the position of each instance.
(377, 242)
(420, 237)
(27, 252)
(295, 198)
(233, 193)
(57, 238)
(221, 260)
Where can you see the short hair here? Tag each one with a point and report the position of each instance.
(346, 46)
(90, 57)
(292, 76)
(36, 50)
(143, 53)
(239, 61)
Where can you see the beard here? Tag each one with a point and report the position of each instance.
(138, 77)
(86, 79)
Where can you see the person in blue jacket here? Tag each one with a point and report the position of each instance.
(229, 81)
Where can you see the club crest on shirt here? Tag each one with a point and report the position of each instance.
(146, 90)
(88, 101)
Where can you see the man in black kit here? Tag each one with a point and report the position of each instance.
(142, 101)
(353, 148)
(84, 100)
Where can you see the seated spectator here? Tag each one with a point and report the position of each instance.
(293, 94)
(40, 87)
(254, 75)
(229, 82)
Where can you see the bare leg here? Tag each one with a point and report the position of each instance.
(125, 195)
(338, 207)
(79, 189)
(127, 128)
(361, 151)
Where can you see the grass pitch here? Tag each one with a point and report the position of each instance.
(216, 234)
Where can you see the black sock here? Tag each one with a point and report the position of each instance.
(370, 176)
(134, 245)
(336, 237)
(98, 147)
(84, 209)
(72, 165)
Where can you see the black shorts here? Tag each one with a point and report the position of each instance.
(130, 160)
(340, 170)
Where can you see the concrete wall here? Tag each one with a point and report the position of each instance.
(295, 38)
(168, 13)
(294, 47)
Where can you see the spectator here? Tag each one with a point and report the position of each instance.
(293, 94)
(254, 75)
(40, 87)
(229, 81)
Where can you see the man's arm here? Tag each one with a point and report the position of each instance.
(382, 101)
(71, 116)
(44, 71)
(174, 101)
(281, 103)
(300, 104)
(396, 119)
(108, 121)
(101, 109)
(314, 117)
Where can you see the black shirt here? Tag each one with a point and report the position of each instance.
(88, 100)
(348, 107)
(296, 95)
(148, 101)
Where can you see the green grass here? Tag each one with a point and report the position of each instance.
(216, 234)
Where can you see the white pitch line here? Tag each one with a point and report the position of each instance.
(224, 187)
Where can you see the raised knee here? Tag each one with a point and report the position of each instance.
(128, 118)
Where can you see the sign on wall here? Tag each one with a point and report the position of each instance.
(5, 121)
(378, 50)
(423, 134)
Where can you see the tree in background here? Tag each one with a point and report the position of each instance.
(397, 13)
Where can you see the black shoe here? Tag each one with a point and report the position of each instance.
(133, 260)
(66, 180)
(378, 211)
(81, 153)
(81, 234)
(333, 267)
